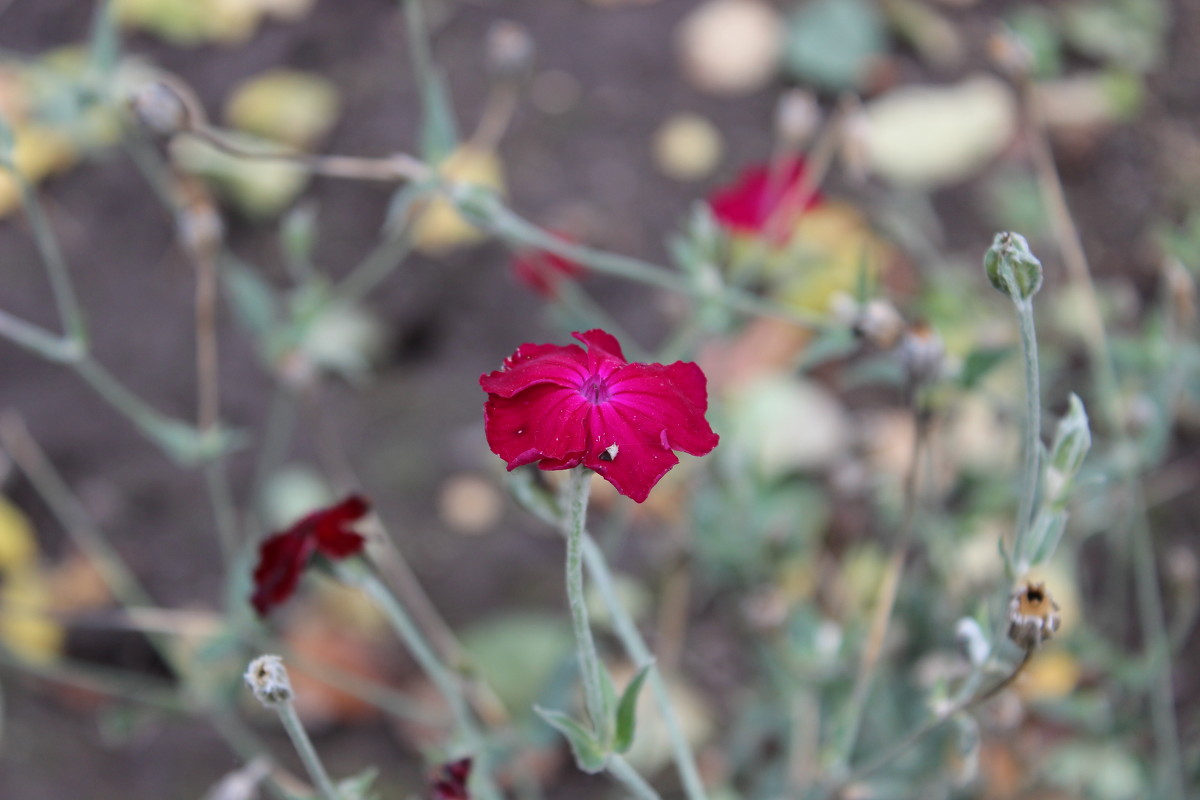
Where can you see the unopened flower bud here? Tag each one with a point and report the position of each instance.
(1032, 616)
(922, 353)
(160, 107)
(796, 117)
(267, 677)
(510, 49)
(1072, 440)
(1011, 267)
(197, 222)
(856, 145)
(880, 324)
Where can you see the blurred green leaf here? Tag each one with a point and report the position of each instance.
(252, 298)
(830, 43)
(980, 362)
(627, 711)
(589, 755)
(518, 652)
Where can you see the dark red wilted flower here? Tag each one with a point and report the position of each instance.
(561, 407)
(283, 556)
(753, 201)
(449, 782)
(543, 271)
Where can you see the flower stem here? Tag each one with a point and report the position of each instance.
(628, 777)
(446, 681)
(1030, 471)
(889, 589)
(52, 258)
(575, 519)
(308, 754)
(630, 637)
(639, 653)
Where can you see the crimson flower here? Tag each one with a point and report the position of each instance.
(283, 556)
(561, 407)
(753, 201)
(543, 271)
(449, 782)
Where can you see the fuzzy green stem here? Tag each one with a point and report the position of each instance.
(575, 519)
(308, 754)
(630, 637)
(639, 653)
(374, 269)
(1030, 471)
(628, 777)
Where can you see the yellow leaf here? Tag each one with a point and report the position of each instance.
(38, 152)
(439, 227)
(821, 258)
(24, 627)
(286, 105)
(18, 549)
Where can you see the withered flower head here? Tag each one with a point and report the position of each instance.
(1032, 616)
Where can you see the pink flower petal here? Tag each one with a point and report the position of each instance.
(543, 421)
(640, 459)
(604, 351)
(558, 407)
(538, 364)
(672, 400)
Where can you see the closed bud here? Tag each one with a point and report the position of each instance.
(856, 144)
(1011, 267)
(922, 353)
(510, 49)
(161, 108)
(1072, 440)
(796, 117)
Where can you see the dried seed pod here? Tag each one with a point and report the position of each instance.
(1032, 616)
(267, 677)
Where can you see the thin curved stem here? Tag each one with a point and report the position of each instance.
(308, 753)
(447, 683)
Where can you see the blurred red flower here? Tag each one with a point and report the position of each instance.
(543, 271)
(283, 556)
(761, 199)
(561, 407)
(449, 782)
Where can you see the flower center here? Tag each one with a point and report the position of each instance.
(595, 390)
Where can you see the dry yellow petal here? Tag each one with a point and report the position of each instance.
(439, 227)
(286, 105)
(38, 152)
(18, 548)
